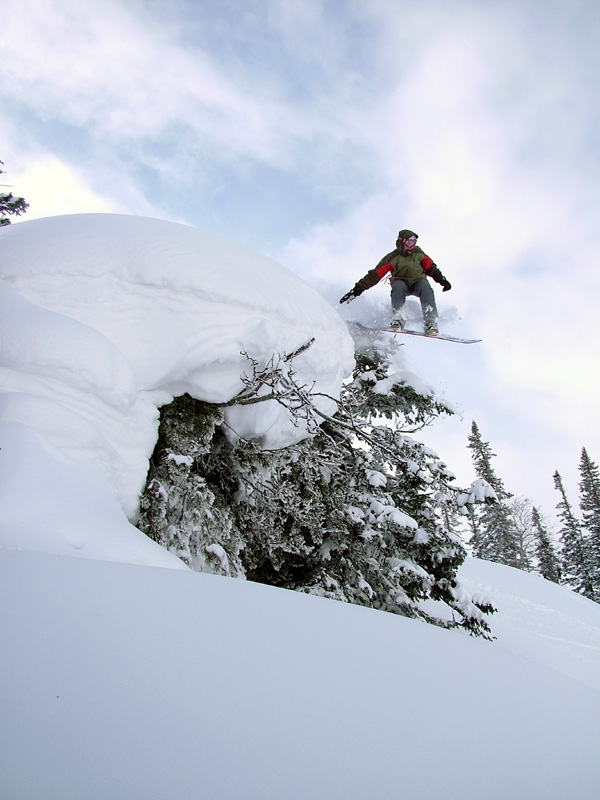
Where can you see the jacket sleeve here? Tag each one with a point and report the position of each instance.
(432, 271)
(373, 277)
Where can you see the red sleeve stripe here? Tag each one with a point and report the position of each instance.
(426, 263)
(384, 269)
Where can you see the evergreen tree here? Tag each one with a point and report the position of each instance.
(494, 536)
(575, 569)
(589, 502)
(10, 205)
(182, 509)
(358, 512)
(481, 455)
(548, 565)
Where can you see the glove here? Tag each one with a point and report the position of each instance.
(350, 295)
(446, 285)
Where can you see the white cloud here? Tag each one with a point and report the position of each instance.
(54, 186)
(489, 155)
(101, 65)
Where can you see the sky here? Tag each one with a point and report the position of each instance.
(313, 132)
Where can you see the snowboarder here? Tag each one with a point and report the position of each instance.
(408, 267)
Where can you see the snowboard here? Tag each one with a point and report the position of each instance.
(440, 336)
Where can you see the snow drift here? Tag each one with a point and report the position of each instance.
(103, 319)
(131, 682)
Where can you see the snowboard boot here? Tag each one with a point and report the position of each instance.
(431, 328)
(397, 322)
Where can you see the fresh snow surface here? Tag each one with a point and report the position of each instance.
(129, 681)
(541, 621)
(103, 319)
(126, 682)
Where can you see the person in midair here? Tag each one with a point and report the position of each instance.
(408, 268)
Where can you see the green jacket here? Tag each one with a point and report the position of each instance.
(402, 266)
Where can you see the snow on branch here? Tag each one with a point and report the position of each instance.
(276, 380)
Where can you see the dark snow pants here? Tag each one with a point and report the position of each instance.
(422, 289)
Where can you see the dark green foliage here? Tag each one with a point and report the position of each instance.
(495, 537)
(589, 502)
(481, 454)
(399, 399)
(576, 563)
(548, 565)
(359, 512)
(182, 508)
(10, 205)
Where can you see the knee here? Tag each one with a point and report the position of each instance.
(399, 289)
(425, 288)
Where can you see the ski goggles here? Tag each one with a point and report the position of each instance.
(410, 242)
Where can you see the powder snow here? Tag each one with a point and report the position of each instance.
(105, 318)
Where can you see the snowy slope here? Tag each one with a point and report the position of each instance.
(129, 682)
(103, 319)
(539, 620)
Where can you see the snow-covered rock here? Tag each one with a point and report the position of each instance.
(103, 319)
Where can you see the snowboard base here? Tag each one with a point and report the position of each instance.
(405, 332)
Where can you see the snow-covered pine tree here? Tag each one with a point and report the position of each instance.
(181, 508)
(10, 205)
(575, 566)
(494, 536)
(589, 502)
(548, 565)
(358, 512)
